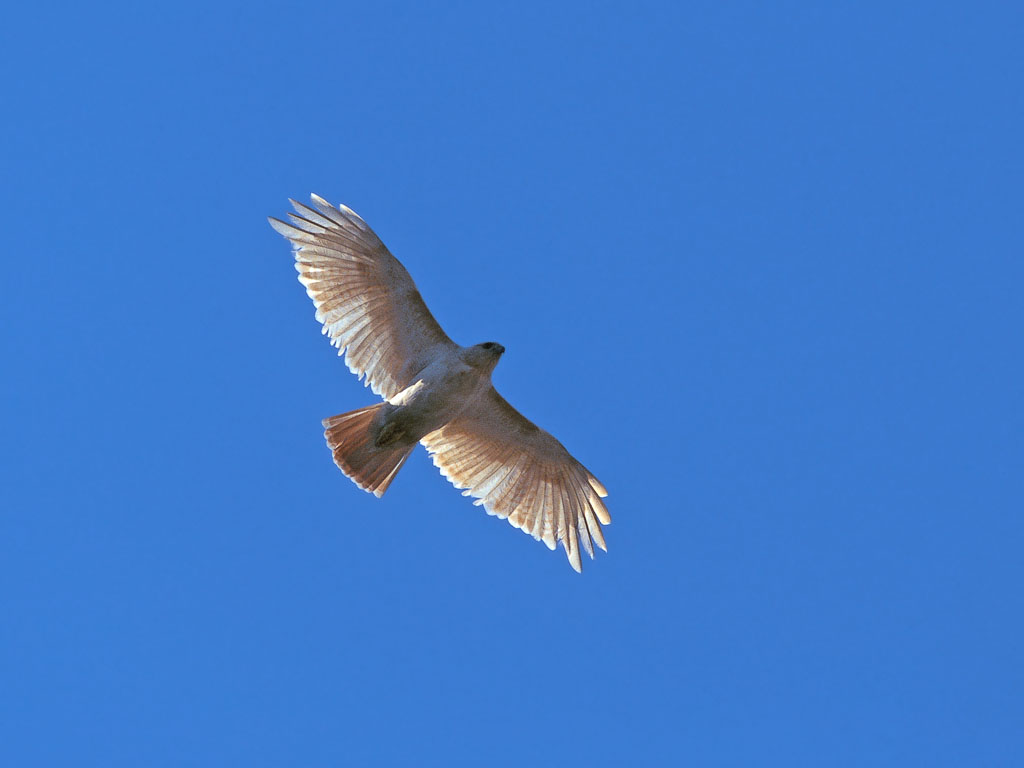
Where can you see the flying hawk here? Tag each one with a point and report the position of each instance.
(435, 391)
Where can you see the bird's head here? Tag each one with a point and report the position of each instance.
(484, 355)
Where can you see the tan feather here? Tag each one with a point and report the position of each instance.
(365, 299)
(520, 472)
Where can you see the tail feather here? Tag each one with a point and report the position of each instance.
(350, 437)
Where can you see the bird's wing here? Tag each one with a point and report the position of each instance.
(520, 472)
(366, 300)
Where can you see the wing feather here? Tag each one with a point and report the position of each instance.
(520, 472)
(365, 299)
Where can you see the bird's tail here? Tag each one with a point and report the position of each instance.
(351, 439)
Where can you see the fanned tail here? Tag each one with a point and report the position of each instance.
(351, 440)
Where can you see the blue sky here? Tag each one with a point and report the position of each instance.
(757, 265)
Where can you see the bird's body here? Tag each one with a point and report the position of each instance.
(443, 389)
(435, 391)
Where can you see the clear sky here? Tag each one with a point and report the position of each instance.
(758, 265)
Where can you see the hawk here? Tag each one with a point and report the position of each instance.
(435, 391)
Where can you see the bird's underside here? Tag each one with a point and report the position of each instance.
(435, 391)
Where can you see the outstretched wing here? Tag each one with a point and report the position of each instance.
(520, 472)
(367, 302)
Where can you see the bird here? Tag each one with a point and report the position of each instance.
(434, 392)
